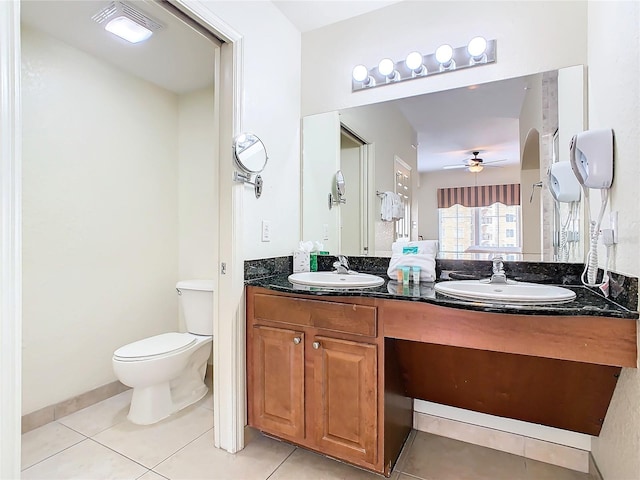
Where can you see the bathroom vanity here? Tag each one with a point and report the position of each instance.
(337, 371)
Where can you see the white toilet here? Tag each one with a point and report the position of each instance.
(167, 371)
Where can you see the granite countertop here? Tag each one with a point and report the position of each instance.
(587, 302)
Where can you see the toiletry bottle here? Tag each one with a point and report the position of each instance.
(405, 275)
(415, 271)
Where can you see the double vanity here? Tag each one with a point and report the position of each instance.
(336, 370)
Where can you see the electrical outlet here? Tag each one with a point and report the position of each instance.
(266, 231)
(325, 231)
(613, 223)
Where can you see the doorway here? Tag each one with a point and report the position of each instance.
(229, 435)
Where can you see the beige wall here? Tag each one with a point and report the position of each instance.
(100, 217)
(119, 204)
(614, 102)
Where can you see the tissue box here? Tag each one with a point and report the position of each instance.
(300, 261)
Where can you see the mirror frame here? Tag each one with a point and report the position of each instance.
(241, 144)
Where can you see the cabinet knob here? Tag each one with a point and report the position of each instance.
(297, 340)
(316, 345)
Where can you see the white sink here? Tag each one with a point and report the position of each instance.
(336, 280)
(512, 292)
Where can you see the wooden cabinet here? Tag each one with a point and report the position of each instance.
(345, 393)
(278, 379)
(313, 377)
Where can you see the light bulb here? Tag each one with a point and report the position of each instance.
(475, 168)
(385, 67)
(444, 54)
(127, 29)
(414, 61)
(477, 46)
(360, 73)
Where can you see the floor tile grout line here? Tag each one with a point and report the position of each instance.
(411, 475)
(179, 450)
(119, 453)
(65, 448)
(281, 463)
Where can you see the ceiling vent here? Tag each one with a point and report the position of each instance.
(127, 22)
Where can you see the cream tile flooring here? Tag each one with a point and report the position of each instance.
(98, 443)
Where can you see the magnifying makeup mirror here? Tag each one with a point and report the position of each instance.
(340, 191)
(250, 156)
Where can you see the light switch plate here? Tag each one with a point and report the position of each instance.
(266, 231)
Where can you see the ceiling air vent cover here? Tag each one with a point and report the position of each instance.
(120, 9)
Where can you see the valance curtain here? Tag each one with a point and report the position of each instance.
(481, 196)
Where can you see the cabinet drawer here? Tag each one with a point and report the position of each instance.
(339, 317)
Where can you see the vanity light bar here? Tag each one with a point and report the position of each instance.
(444, 59)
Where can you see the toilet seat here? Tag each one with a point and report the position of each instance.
(154, 347)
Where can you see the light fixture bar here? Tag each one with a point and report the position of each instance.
(461, 59)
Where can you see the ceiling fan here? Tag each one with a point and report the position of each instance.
(474, 164)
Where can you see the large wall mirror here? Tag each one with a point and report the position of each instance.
(503, 133)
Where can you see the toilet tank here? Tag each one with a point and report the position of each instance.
(196, 301)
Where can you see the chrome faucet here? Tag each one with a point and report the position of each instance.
(341, 265)
(498, 271)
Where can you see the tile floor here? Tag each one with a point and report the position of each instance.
(98, 443)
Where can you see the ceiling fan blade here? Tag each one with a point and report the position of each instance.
(494, 161)
(451, 167)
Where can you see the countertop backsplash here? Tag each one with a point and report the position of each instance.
(623, 289)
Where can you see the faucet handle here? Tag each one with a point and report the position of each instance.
(498, 266)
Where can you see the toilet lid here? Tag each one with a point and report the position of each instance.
(154, 346)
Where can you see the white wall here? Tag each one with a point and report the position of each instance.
(100, 217)
(271, 110)
(321, 154)
(532, 37)
(614, 102)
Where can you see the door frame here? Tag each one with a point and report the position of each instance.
(229, 351)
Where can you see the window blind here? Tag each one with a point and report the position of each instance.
(480, 196)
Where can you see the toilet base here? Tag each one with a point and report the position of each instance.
(156, 402)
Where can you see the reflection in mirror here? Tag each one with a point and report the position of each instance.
(437, 135)
(340, 188)
(250, 153)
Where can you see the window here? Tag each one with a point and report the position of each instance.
(463, 228)
(479, 219)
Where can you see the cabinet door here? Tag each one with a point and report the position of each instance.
(277, 374)
(346, 398)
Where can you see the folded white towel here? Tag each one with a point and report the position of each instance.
(386, 209)
(425, 261)
(424, 246)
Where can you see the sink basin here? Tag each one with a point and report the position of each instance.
(513, 292)
(336, 280)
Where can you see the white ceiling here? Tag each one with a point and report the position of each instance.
(311, 14)
(452, 124)
(176, 58)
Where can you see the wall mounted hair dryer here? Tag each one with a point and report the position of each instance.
(563, 183)
(591, 157)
